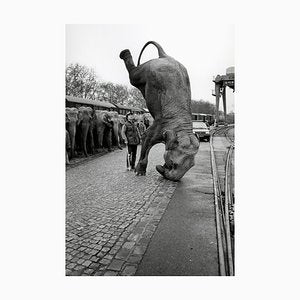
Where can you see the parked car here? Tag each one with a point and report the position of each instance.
(201, 130)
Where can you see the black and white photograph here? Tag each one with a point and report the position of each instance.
(149, 151)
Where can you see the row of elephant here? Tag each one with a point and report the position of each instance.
(88, 129)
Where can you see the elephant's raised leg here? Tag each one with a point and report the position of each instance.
(136, 74)
(152, 136)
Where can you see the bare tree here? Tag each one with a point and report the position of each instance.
(114, 93)
(136, 98)
(80, 81)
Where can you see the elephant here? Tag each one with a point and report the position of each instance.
(103, 121)
(71, 121)
(121, 123)
(68, 147)
(115, 119)
(165, 85)
(86, 123)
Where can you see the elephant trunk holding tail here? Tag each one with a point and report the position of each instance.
(165, 85)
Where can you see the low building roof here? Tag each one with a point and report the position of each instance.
(136, 109)
(89, 101)
(122, 106)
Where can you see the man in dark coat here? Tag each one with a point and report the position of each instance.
(132, 137)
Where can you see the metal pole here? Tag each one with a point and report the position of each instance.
(224, 103)
(217, 90)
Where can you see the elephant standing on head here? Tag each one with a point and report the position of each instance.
(71, 121)
(165, 85)
(86, 122)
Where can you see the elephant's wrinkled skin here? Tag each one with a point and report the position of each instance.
(116, 124)
(165, 85)
(102, 120)
(68, 147)
(86, 123)
(71, 121)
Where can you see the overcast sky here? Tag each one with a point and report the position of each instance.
(205, 52)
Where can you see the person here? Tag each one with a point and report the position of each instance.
(146, 121)
(131, 137)
(141, 127)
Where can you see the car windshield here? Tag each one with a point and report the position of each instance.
(199, 125)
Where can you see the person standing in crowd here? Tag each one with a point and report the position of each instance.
(146, 121)
(141, 127)
(132, 137)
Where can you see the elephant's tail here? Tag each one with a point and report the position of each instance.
(161, 52)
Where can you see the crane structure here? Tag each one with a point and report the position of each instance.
(221, 82)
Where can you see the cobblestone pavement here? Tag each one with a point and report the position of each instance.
(111, 214)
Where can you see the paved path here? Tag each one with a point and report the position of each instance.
(185, 240)
(111, 214)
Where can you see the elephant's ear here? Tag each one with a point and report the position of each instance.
(170, 139)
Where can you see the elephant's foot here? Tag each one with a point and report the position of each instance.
(140, 169)
(160, 169)
(125, 54)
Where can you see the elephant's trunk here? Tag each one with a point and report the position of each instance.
(85, 129)
(126, 56)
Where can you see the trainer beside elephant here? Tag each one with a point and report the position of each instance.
(132, 137)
